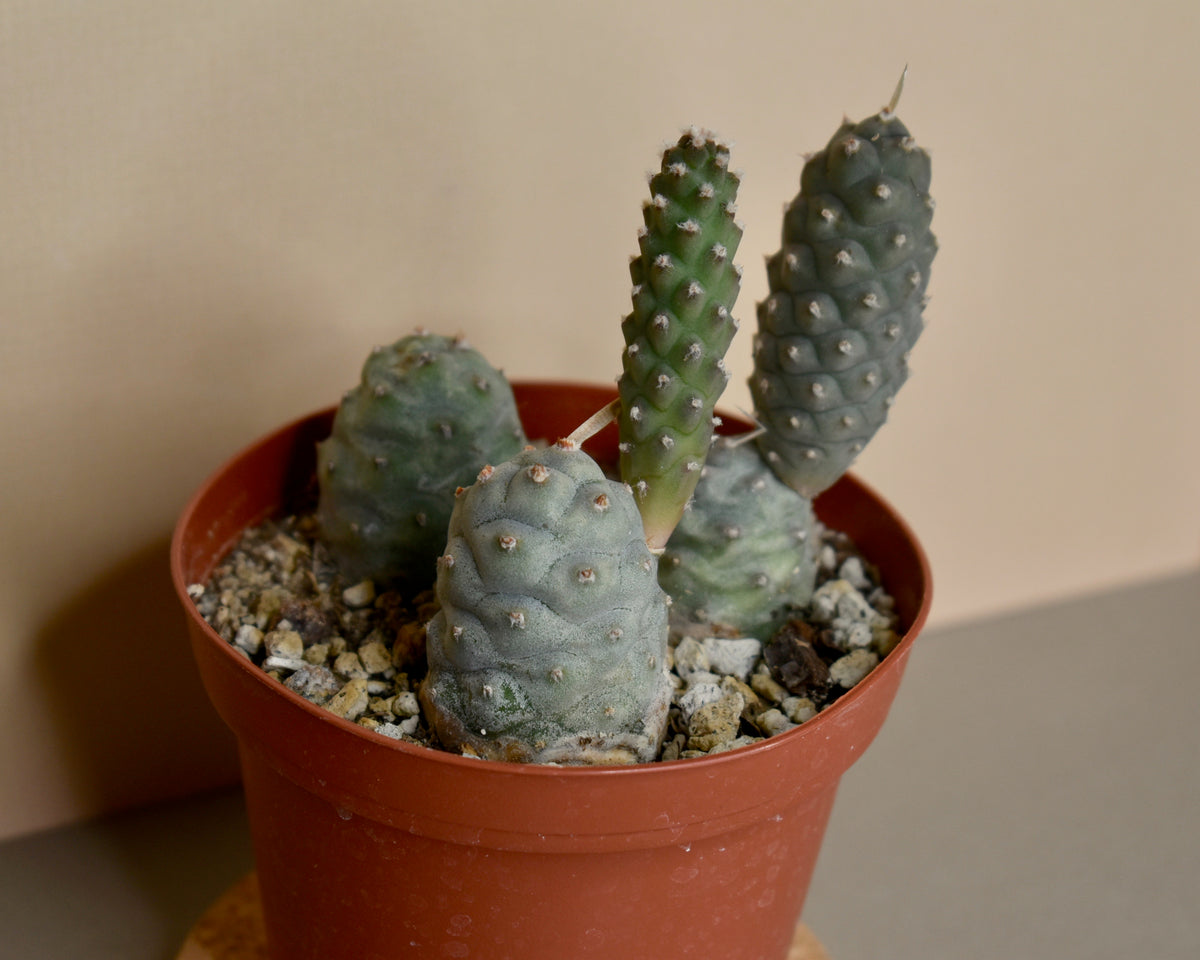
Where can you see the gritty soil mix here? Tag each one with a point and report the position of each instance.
(279, 601)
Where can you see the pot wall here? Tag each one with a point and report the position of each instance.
(735, 893)
(457, 857)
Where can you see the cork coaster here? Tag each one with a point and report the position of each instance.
(232, 929)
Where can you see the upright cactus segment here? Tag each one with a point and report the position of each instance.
(685, 284)
(844, 308)
(847, 289)
(551, 641)
(428, 412)
(745, 552)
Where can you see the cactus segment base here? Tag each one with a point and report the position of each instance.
(428, 413)
(551, 642)
(745, 550)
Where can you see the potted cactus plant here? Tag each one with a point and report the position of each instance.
(542, 827)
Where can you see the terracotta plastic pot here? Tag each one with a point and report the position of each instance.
(370, 848)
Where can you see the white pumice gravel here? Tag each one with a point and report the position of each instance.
(766, 686)
(852, 668)
(853, 573)
(696, 696)
(732, 657)
(249, 638)
(690, 658)
(288, 664)
(284, 644)
(376, 658)
(349, 665)
(314, 682)
(774, 721)
(714, 724)
(397, 731)
(360, 595)
(798, 709)
(351, 701)
(359, 652)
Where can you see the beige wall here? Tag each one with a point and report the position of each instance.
(211, 210)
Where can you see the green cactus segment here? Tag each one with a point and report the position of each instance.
(846, 293)
(551, 641)
(428, 413)
(744, 551)
(685, 284)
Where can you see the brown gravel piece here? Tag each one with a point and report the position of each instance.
(307, 619)
(794, 661)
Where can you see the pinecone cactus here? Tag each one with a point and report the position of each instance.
(685, 284)
(551, 641)
(428, 412)
(745, 551)
(846, 293)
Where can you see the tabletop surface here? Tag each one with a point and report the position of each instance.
(1035, 793)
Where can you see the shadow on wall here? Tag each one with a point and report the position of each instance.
(132, 719)
(188, 323)
(205, 340)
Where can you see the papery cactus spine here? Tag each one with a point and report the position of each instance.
(551, 641)
(847, 290)
(428, 412)
(685, 284)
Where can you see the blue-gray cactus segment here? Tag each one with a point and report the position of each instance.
(685, 285)
(847, 289)
(745, 551)
(428, 412)
(551, 641)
